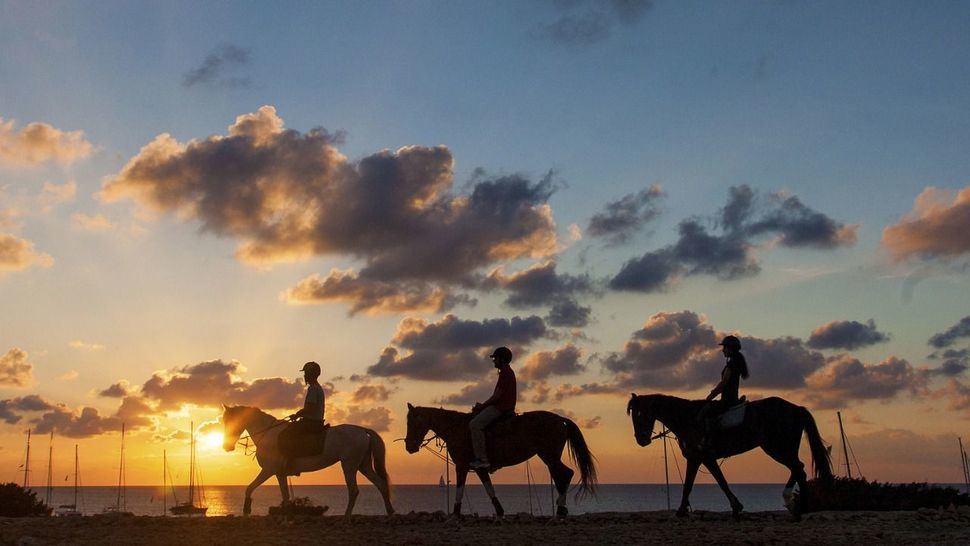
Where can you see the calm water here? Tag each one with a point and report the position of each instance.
(224, 500)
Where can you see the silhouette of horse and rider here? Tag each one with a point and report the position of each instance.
(493, 436)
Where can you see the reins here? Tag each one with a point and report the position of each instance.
(244, 440)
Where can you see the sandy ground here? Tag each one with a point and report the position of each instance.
(923, 527)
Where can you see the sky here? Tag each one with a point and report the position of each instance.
(197, 199)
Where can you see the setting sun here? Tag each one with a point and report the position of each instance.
(210, 440)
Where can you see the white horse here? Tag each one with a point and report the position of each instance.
(358, 449)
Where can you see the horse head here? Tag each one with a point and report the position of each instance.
(643, 419)
(418, 426)
(233, 424)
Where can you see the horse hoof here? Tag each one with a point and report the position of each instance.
(562, 512)
(681, 513)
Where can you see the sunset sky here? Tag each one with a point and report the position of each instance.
(197, 199)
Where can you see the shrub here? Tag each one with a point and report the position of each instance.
(15, 501)
(860, 494)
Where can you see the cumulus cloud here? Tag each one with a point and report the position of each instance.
(18, 254)
(562, 361)
(621, 219)
(846, 334)
(38, 143)
(847, 379)
(582, 23)
(469, 394)
(451, 348)
(217, 382)
(568, 390)
(568, 313)
(285, 195)
(947, 338)
(52, 195)
(15, 371)
(371, 393)
(679, 350)
(213, 70)
(12, 408)
(374, 296)
(376, 418)
(116, 390)
(541, 285)
(938, 226)
(726, 251)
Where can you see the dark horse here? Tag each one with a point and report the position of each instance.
(511, 442)
(773, 424)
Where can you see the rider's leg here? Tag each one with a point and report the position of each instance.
(477, 428)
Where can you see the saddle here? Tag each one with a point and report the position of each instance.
(733, 416)
(500, 425)
(303, 439)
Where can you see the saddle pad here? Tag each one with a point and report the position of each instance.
(733, 417)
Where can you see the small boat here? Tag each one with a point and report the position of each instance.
(189, 507)
(71, 510)
(441, 481)
(121, 504)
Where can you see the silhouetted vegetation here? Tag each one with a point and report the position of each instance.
(300, 506)
(860, 494)
(17, 502)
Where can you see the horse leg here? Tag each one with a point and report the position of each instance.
(257, 481)
(561, 476)
(798, 476)
(715, 471)
(284, 488)
(487, 483)
(692, 466)
(367, 469)
(461, 474)
(350, 476)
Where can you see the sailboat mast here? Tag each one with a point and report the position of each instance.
(50, 470)
(27, 460)
(844, 448)
(192, 463)
(75, 476)
(164, 482)
(121, 468)
(666, 472)
(963, 465)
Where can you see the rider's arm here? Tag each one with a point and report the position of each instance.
(720, 386)
(494, 398)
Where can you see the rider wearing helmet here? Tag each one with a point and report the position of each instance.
(306, 422)
(735, 369)
(500, 403)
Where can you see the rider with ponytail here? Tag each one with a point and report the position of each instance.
(734, 370)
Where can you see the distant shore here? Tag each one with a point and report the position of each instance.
(919, 527)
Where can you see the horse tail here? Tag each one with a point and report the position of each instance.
(378, 453)
(820, 454)
(580, 453)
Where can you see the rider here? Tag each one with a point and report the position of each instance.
(307, 421)
(500, 403)
(735, 369)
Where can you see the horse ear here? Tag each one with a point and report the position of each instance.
(410, 407)
(633, 395)
(225, 407)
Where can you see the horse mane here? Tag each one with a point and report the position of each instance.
(662, 400)
(443, 411)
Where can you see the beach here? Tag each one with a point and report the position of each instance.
(919, 527)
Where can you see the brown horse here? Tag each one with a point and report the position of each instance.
(511, 442)
(773, 424)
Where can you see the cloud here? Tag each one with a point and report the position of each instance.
(938, 226)
(583, 23)
(846, 334)
(568, 390)
(70, 375)
(98, 222)
(11, 408)
(746, 220)
(217, 382)
(15, 371)
(54, 194)
(374, 296)
(451, 348)
(377, 418)
(541, 285)
(957, 393)
(18, 254)
(216, 64)
(568, 313)
(469, 394)
(562, 361)
(621, 219)
(85, 346)
(85, 422)
(116, 390)
(678, 350)
(371, 393)
(847, 379)
(287, 196)
(959, 330)
(39, 143)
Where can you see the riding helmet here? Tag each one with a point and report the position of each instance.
(731, 342)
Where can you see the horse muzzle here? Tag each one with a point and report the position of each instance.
(229, 447)
(411, 448)
(643, 440)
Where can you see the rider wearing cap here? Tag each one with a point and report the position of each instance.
(735, 369)
(500, 403)
(308, 420)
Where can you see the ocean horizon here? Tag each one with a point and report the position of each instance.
(538, 499)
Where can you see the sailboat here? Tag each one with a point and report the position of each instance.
(189, 508)
(70, 510)
(441, 481)
(121, 504)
